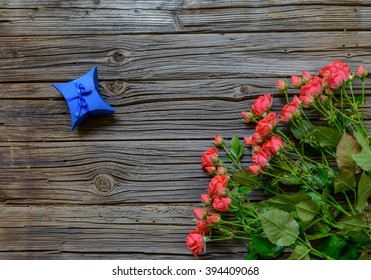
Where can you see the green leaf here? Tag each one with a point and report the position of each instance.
(280, 227)
(245, 190)
(364, 256)
(353, 223)
(332, 246)
(364, 192)
(300, 253)
(307, 209)
(265, 248)
(361, 140)
(326, 137)
(360, 237)
(284, 202)
(245, 177)
(350, 252)
(251, 255)
(363, 159)
(347, 147)
(345, 181)
(302, 132)
(236, 148)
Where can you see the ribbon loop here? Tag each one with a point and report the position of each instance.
(81, 101)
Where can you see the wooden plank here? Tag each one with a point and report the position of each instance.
(277, 18)
(171, 5)
(122, 232)
(186, 56)
(45, 21)
(154, 110)
(103, 172)
(96, 4)
(54, 18)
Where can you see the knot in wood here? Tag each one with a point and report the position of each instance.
(104, 183)
(245, 89)
(118, 56)
(115, 87)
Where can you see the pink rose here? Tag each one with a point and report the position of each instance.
(222, 203)
(261, 158)
(206, 198)
(274, 145)
(282, 85)
(255, 168)
(312, 87)
(296, 81)
(221, 170)
(200, 213)
(254, 140)
(290, 110)
(262, 104)
(266, 125)
(212, 219)
(218, 140)
(203, 227)
(248, 117)
(209, 158)
(337, 78)
(218, 185)
(362, 72)
(195, 242)
(306, 76)
(307, 100)
(334, 66)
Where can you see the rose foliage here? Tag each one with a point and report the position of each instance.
(311, 164)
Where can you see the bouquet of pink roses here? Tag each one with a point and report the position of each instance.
(313, 163)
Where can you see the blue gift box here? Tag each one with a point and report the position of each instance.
(83, 97)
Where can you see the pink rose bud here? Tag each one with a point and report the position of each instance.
(200, 214)
(362, 72)
(255, 169)
(213, 219)
(247, 117)
(296, 81)
(248, 141)
(306, 76)
(203, 227)
(218, 141)
(206, 198)
(262, 104)
(282, 85)
(210, 169)
(221, 170)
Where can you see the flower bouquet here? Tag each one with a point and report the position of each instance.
(312, 161)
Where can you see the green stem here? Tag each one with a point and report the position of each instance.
(349, 203)
(234, 160)
(363, 98)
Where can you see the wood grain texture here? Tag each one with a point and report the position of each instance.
(98, 17)
(52, 232)
(182, 56)
(177, 72)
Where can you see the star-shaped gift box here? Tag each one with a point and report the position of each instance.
(83, 97)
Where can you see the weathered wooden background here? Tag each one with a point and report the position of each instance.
(177, 72)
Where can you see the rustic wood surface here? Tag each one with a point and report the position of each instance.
(177, 72)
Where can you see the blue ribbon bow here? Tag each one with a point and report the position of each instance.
(81, 101)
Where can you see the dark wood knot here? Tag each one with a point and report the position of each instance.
(104, 183)
(114, 88)
(244, 89)
(118, 56)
